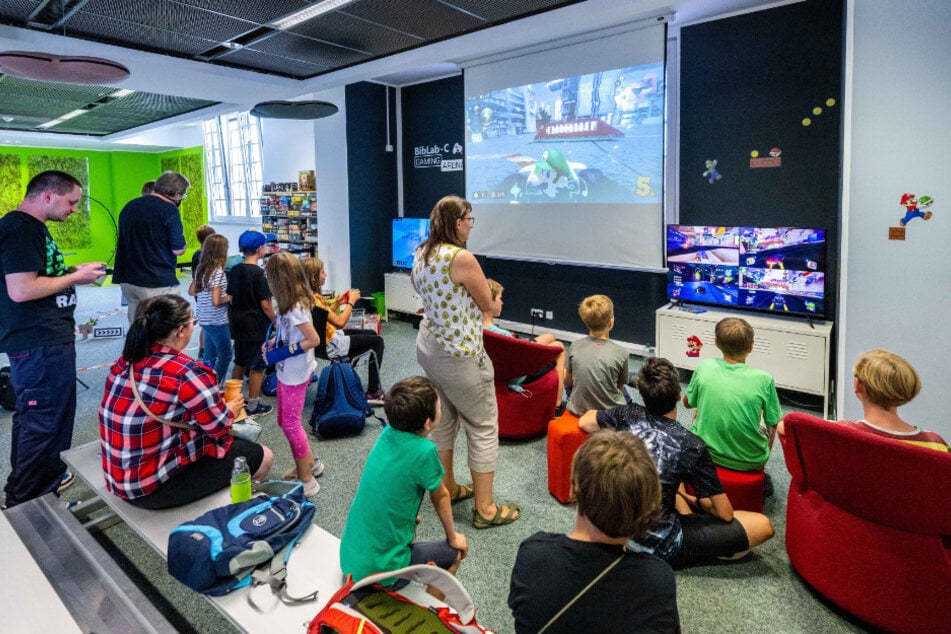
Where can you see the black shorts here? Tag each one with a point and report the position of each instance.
(248, 355)
(706, 538)
(201, 478)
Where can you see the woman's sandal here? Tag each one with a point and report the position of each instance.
(500, 519)
(463, 492)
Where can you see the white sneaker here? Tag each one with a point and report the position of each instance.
(317, 469)
(311, 488)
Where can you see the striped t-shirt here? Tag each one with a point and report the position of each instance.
(920, 437)
(209, 315)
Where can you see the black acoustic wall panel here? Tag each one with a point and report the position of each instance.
(371, 171)
(433, 129)
(761, 94)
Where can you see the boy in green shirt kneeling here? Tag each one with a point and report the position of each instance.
(401, 467)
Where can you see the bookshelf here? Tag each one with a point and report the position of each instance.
(292, 217)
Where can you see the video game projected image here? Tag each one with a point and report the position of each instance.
(594, 138)
(783, 248)
(408, 234)
(777, 290)
(703, 283)
(776, 269)
(710, 245)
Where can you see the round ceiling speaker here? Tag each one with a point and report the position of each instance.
(294, 109)
(69, 69)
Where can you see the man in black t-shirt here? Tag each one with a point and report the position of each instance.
(149, 242)
(37, 300)
(250, 313)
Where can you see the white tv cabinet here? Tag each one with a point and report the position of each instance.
(793, 351)
(400, 294)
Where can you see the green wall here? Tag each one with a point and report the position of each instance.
(191, 163)
(114, 178)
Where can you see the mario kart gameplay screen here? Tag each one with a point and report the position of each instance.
(779, 269)
(591, 138)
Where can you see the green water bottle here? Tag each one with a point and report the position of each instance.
(240, 481)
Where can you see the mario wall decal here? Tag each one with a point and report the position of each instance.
(693, 346)
(913, 208)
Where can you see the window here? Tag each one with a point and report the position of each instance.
(233, 160)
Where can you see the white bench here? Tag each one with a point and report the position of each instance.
(314, 564)
(57, 578)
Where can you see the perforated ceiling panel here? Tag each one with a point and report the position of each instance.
(233, 33)
(25, 104)
(351, 32)
(209, 30)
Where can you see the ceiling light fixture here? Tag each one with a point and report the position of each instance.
(308, 13)
(70, 69)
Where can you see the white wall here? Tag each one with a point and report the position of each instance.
(896, 293)
(333, 206)
(288, 147)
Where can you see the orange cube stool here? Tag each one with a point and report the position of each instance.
(564, 438)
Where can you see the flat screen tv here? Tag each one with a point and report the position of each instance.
(771, 269)
(408, 233)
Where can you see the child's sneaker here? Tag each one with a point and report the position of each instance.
(260, 410)
(317, 469)
(377, 397)
(66, 482)
(311, 488)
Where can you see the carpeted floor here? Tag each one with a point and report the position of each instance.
(759, 593)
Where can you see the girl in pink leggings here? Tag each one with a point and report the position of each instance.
(285, 276)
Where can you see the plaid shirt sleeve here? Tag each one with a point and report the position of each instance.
(138, 453)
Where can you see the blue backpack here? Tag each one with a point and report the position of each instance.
(218, 551)
(340, 408)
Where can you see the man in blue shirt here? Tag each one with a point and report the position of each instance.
(150, 240)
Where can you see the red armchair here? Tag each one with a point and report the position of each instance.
(868, 523)
(522, 414)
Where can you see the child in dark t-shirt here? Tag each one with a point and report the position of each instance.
(250, 313)
(620, 588)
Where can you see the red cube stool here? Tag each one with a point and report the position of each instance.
(744, 488)
(564, 438)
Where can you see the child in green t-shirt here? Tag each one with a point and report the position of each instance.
(401, 467)
(737, 406)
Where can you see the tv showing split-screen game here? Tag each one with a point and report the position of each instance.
(770, 269)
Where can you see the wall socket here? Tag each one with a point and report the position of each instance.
(549, 315)
(538, 313)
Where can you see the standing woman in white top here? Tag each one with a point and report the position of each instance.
(449, 348)
(208, 288)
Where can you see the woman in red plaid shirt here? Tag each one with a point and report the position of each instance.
(150, 463)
